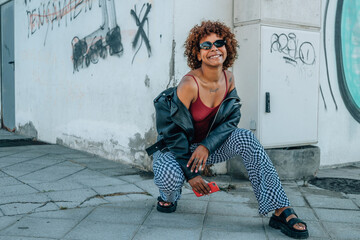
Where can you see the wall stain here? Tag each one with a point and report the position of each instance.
(28, 130)
(172, 67)
(147, 81)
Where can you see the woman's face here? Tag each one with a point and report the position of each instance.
(215, 56)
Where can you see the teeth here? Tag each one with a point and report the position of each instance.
(215, 56)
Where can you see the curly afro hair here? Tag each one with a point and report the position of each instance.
(192, 47)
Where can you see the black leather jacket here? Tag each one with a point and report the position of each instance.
(176, 129)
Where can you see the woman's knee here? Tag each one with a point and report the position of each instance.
(245, 134)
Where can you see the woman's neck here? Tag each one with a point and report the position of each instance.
(211, 74)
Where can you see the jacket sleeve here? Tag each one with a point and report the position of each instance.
(174, 137)
(221, 132)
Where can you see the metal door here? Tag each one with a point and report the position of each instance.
(7, 66)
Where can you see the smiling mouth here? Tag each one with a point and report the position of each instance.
(216, 56)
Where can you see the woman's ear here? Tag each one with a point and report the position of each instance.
(199, 57)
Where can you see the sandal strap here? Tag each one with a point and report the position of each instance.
(286, 213)
(294, 221)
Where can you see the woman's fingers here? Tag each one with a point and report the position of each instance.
(190, 161)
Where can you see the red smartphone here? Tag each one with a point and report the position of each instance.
(213, 186)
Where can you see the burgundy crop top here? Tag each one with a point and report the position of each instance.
(203, 115)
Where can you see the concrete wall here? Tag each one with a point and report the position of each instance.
(99, 98)
(339, 132)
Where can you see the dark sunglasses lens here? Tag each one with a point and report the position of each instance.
(219, 43)
(206, 45)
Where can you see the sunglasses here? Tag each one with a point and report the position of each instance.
(208, 45)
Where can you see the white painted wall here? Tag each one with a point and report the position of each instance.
(105, 108)
(339, 132)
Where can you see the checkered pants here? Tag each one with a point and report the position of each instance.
(264, 179)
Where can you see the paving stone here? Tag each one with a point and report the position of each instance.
(71, 198)
(94, 202)
(102, 230)
(119, 171)
(40, 227)
(99, 181)
(231, 209)
(330, 202)
(146, 204)
(6, 221)
(297, 200)
(355, 198)
(23, 168)
(123, 188)
(25, 198)
(9, 161)
(117, 215)
(233, 224)
(22, 238)
(16, 190)
(192, 196)
(28, 155)
(149, 186)
(180, 220)
(210, 234)
(118, 199)
(136, 197)
(173, 233)
(2, 174)
(57, 186)
(340, 216)
(19, 208)
(75, 214)
(8, 181)
(190, 206)
(48, 207)
(131, 178)
(242, 197)
(343, 230)
(52, 173)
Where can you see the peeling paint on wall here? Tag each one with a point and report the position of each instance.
(28, 130)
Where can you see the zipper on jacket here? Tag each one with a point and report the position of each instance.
(212, 124)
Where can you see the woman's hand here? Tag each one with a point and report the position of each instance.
(199, 185)
(198, 158)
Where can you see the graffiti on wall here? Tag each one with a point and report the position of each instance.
(104, 41)
(96, 45)
(347, 46)
(141, 32)
(294, 52)
(107, 38)
(54, 12)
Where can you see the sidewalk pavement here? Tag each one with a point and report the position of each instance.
(53, 192)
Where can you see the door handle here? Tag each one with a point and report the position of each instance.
(267, 102)
(11, 62)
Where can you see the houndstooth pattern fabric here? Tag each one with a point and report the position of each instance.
(264, 179)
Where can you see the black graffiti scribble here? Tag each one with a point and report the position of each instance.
(289, 45)
(141, 31)
(97, 44)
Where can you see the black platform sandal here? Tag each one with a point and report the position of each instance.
(279, 222)
(166, 209)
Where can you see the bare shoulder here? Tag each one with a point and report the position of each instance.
(231, 78)
(187, 90)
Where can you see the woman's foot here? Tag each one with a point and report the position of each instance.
(288, 222)
(166, 207)
(298, 226)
